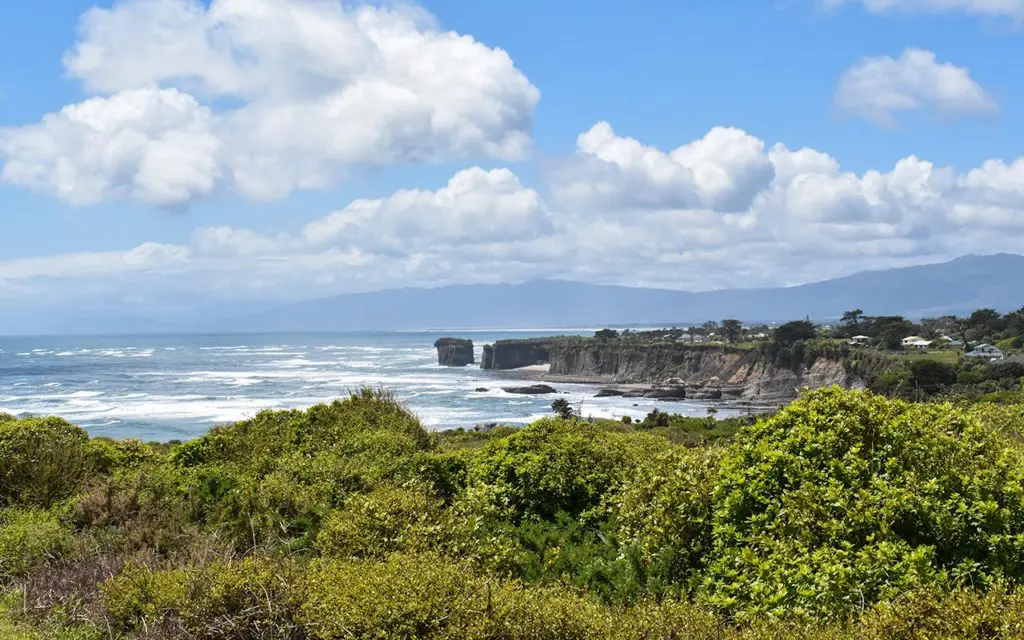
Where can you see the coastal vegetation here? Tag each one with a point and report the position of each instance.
(844, 514)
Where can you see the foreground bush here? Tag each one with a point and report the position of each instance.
(376, 524)
(559, 466)
(845, 499)
(29, 538)
(845, 515)
(42, 460)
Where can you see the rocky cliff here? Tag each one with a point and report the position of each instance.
(454, 352)
(513, 354)
(705, 370)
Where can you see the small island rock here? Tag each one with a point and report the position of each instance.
(533, 389)
(454, 352)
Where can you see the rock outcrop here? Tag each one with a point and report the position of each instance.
(514, 354)
(708, 372)
(533, 389)
(454, 352)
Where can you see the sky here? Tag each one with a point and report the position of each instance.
(162, 154)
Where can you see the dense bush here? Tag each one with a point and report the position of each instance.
(272, 479)
(29, 538)
(845, 498)
(844, 515)
(42, 460)
(378, 523)
(665, 511)
(557, 465)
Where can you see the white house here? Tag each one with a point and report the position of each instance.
(859, 341)
(987, 351)
(916, 341)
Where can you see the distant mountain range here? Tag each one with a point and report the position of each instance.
(955, 287)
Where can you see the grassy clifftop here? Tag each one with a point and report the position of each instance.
(843, 515)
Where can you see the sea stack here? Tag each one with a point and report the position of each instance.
(454, 352)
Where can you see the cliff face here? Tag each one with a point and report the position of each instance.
(513, 354)
(454, 352)
(709, 370)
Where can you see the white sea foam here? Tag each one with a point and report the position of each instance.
(188, 387)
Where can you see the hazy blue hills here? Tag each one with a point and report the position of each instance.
(957, 286)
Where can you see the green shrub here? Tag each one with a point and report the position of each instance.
(1006, 419)
(42, 460)
(665, 511)
(513, 612)
(376, 524)
(844, 499)
(408, 596)
(668, 620)
(254, 598)
(555, 466)
(426, 596)
(346, 427)
(29, 538)
(140, 596)
(271, 479)
(936, 615)
(109, 456)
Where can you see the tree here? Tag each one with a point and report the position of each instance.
(563, 409)
(606, 334)
(795, 331)
(891, 330)
(852, 318)
(732, 329)
(962, 328)
(934, 327)
(931, 376)
(986, 322)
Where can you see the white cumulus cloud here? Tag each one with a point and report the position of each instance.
(152, 145)
(721, 171)
(750, 214)
(265, 97)
(476, 206)
(878, 87)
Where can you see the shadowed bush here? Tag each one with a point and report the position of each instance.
(29, 538)
(42, 460)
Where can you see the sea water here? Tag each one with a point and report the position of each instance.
(176, 387)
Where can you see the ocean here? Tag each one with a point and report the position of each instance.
(176, 387)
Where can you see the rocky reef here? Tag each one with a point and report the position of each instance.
(533, 389)
(454, 352)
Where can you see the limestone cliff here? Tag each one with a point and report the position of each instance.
(454, 352)
(513, 354)
(707, 370)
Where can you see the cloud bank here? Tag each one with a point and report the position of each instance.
(264, 97)
(725, 210)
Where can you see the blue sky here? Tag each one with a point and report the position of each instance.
(127, 212)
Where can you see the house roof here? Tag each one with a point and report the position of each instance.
(985, 350)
